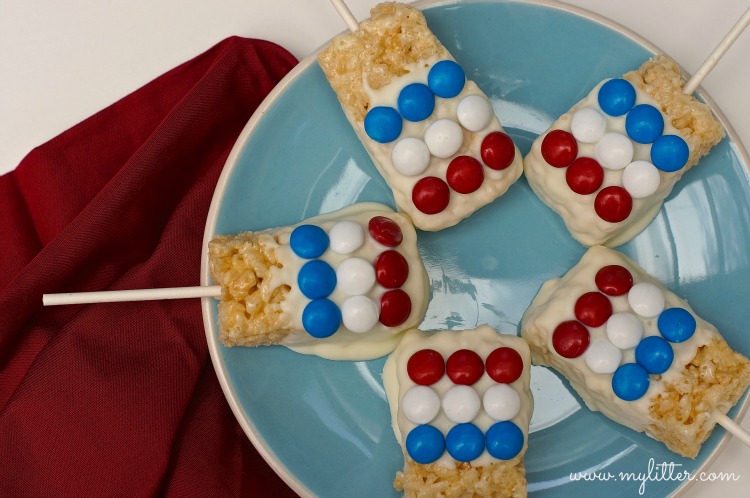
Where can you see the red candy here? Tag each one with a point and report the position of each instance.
(614, 280)
(497, 150)
(584, 176)
(425, 367)
(431, 195)
(593, 309)
(464, 367)
(504, 365)
(570, 339)
(465, 174)
(559, 148)
(395, 308)
(391, 269)
(613, 204)
(385, 230)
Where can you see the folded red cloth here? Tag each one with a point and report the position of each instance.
(121, 399)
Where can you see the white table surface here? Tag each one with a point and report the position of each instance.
(60, 62)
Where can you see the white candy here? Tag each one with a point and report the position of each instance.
(640, 179)
(588, 125)
(474, 112)
(355, 276)
(421, 404)
(461, 404)
(646, 299)
(624, 330)
(360, 314)
(501, 402)
(602, 357)
(614, 151)
(444, 137)
(410, 156)
(346, 237)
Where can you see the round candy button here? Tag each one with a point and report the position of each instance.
(570, 339)
(654, 354)
(646, 299)
(444, 137)
(640, 179)
(416, 102)
(602, 357)
(316, 279)
(613, 204)
(425, 367)
(614, 151)
(446, 79)
(308, 241)
(504, 365)
(616, 97)
(410, 156)
(385, 231)
(504, 440)
(593, 309)
(584, 176)
(624, 330)
(465, 442)
(588, 125)
(431, 195)
(465, 175)
(391, 269)
(464, 367)
(644, 123)
(346, 237)
(676, 324)
(395, 308)
(421, 404)
(630, 382)
(559, 148)
(461, 404)
(425, 444)
(355, 276)
(474, 112)
(359, 314)
(669, 153)
(497, 150)
(501, 402)
(383, 124)
(613, 280)
(321, 318)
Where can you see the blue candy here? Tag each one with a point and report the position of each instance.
(425, 444)
(669, 153)
(416, 102)
(316, 279)
(383, 124)
(630, 381)
(446, 79)
(308, 241)
(676, 324)
(465, 442)
(321, 318)
(644, 123)
(654, 354)
(616, 97)
(504, 440)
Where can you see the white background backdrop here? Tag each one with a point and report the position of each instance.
(60, 62)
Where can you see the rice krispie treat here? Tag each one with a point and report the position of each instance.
(431, 133)
(634, 350)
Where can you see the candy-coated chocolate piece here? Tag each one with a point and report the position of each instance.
(383, 124)
(603, 357)
(624, 330)
(444, 137)
(421, 404)
(613, 280)
(676, 324)
(497, 150)
(395, 307)
(654, 354)
(346, 237)
(465, 442)
(504, 440)
(385, 230)
(359, 314)
(616, 97)
(501, 402)
(559, 148)
(465, 174)
(584, 176)
(644, 123)
(641, 179)
(391, 269)
(464, 367)
(425, 444)
(613, 204)
(431, 195)
(461, 404)
(588, 125)
(425, 367)
(504, 365)
(614, 151)
(321, 318)
(316, 279)
(446, 79)
(646, 299)
(669, 153)
(308, 241)
(630, 382)
(570, 339)
(593, 309)
(410, 156)
(474, 112)
(416, 102)
(355, 276)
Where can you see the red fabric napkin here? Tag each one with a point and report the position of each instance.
(121, 399)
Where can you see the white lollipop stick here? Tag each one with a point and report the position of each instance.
(131, 295)
(346, 15)
(717, 54)
(731, 426)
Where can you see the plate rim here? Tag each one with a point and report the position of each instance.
(304, 64)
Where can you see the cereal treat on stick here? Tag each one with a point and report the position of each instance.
(341, 285)
(431, 133)
(634, 350)
(607, 165)
(460, 408)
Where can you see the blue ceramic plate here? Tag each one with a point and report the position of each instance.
(324, 425)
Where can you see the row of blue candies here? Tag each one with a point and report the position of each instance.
(464, 442)
(644, 124)
(416, 102)
(316, 279)
(654, 354)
